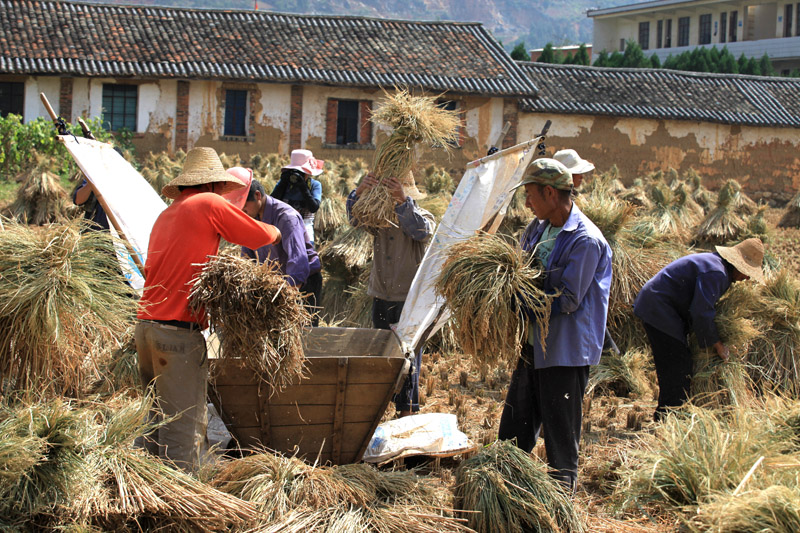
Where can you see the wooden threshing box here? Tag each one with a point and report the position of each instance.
(332, 414)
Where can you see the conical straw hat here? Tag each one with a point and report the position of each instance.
(746, 257)
(202, 166)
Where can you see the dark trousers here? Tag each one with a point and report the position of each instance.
(384, 314)
(673, 369)
(550, 400)
(313, 289)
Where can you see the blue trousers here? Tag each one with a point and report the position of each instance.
(384, 314)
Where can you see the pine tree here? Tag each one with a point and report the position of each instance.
(519, 53)
(581, 56)
(548, 55)
(602, 59)
(655, 62)
(765, 66)
(634, 56)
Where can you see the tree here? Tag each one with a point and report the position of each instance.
(519, 53)
(634, 56)
(581, 56)
(602, 59)
(765, 66)
(655, 62)
(548, 55)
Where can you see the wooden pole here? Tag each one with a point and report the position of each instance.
(111, 218)
(499, 154)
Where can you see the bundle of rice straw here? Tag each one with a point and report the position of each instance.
(774, 509)
(480, 280)
(359, 303)
(504, 489)
(41, 199)
(791, 217)
(673, 210)
(625, 375)
(73, 466)
(63, 303)
(349, 252)
(259, 317)
(720, 383)
(438, 180)
(699, 453)
(120, 371)
(413, 119)
(294, 496)
(332, 214)
(722, 224)
(777, 308)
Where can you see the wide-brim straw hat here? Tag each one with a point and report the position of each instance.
(410, 187)
(304, 161)
(570, 159)
(746, 257)
(202, 165)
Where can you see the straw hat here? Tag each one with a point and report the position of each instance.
(202, 166)
(303, 160)
(746, 257)
(410, 187)
(570, 159)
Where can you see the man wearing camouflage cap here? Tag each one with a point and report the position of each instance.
(547, 387)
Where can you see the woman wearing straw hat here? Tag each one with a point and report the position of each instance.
(682, 298)
(299, 189)
(397, 252)
(168, 338)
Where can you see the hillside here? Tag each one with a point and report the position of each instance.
(536, 22)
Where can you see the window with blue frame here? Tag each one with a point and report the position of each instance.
(12, 97)
(235, 113)
(119, 106)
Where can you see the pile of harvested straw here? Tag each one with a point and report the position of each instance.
(625, 375)
(413, 119)
(672, 210)
(73, 466)
(482, 279)
(294, 496)
(791, 217)
(41, 199)
(723, 223)
(259, 317)
(63, 303)
(505, 489)
(349, 252)
(774, 509)
(332, 215)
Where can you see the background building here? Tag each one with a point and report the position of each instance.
(667, 27)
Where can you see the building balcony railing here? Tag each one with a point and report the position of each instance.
(777, 49)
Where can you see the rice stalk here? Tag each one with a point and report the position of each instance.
(331, 215)
(41, 199)
(511, 491)
(482, 279)
(63, 302)
(791, 217)
(757, 225)
(414, 120)
(775, 509)
(438, 180)
(624, 375)
(259, 317)
(349, 252)
(723, 224)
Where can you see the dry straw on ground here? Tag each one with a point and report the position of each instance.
(413, 119)
(63, 305)
(482, 280)
(258, 316)
(41, 199)
(505, 490)
(73, 466)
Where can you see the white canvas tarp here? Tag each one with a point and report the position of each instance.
(479, 204)
(130, 199)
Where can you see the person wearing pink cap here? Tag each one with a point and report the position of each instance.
(299, 189)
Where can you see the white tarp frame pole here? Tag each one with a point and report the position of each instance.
(131, 204)
(479, 204)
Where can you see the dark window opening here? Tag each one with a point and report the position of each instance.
(12, 98)
(644, 35)
(235, 113)
(787, 20)
(705, 30)
(732, 28)
(723, 27)
(683, 31)
(659, 33)
(347, 122)
(668, 34)
(119, 107)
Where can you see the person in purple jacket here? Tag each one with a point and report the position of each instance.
(295, 254)
(680, 299)
(547, 387)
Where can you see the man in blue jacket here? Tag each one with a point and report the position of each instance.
(547, 387)
(682, 298)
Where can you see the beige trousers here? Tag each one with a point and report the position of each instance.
(173, 361)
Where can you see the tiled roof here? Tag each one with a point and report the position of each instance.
(664, 94)
(80, 39)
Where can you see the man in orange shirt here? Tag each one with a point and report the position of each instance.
(169, 343)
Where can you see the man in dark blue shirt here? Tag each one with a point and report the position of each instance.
(682, 298)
